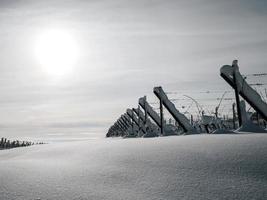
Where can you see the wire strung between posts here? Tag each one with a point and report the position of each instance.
(257, 84)
(200, 92)
(256, 74)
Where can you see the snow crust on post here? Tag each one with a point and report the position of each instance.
(244, 89)
(142, 115)
(132, 115)
(144, 104)
(179, 117)
(151, 129)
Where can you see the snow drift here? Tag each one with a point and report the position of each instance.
(176, 167)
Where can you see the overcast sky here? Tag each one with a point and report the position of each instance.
(126, 48)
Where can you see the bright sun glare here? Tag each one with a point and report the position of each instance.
(56, 51)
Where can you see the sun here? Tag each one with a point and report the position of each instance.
(56, 51)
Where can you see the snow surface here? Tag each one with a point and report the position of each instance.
(231, 166)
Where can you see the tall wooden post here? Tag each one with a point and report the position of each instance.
(237, 94)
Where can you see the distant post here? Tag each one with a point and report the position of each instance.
(139, 121)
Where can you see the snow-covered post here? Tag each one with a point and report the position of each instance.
(244, 89)
(161, 117)
(120, 127)
(125, 119)
(145, 109)
(139, 120)
(123, 125)
(132, 122)
(179, 117)
(235, 66)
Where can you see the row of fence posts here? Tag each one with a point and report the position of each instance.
(129, 119)
(8, 144)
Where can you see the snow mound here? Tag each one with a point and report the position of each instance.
(201, 167)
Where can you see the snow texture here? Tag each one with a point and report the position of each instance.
(201, 167)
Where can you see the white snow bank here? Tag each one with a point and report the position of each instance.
(176, 167)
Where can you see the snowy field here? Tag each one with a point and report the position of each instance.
(178, 167)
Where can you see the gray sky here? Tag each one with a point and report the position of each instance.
(125, 49)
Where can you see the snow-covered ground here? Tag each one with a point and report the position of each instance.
(176, 167)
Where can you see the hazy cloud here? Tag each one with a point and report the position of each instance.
(126, 48)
